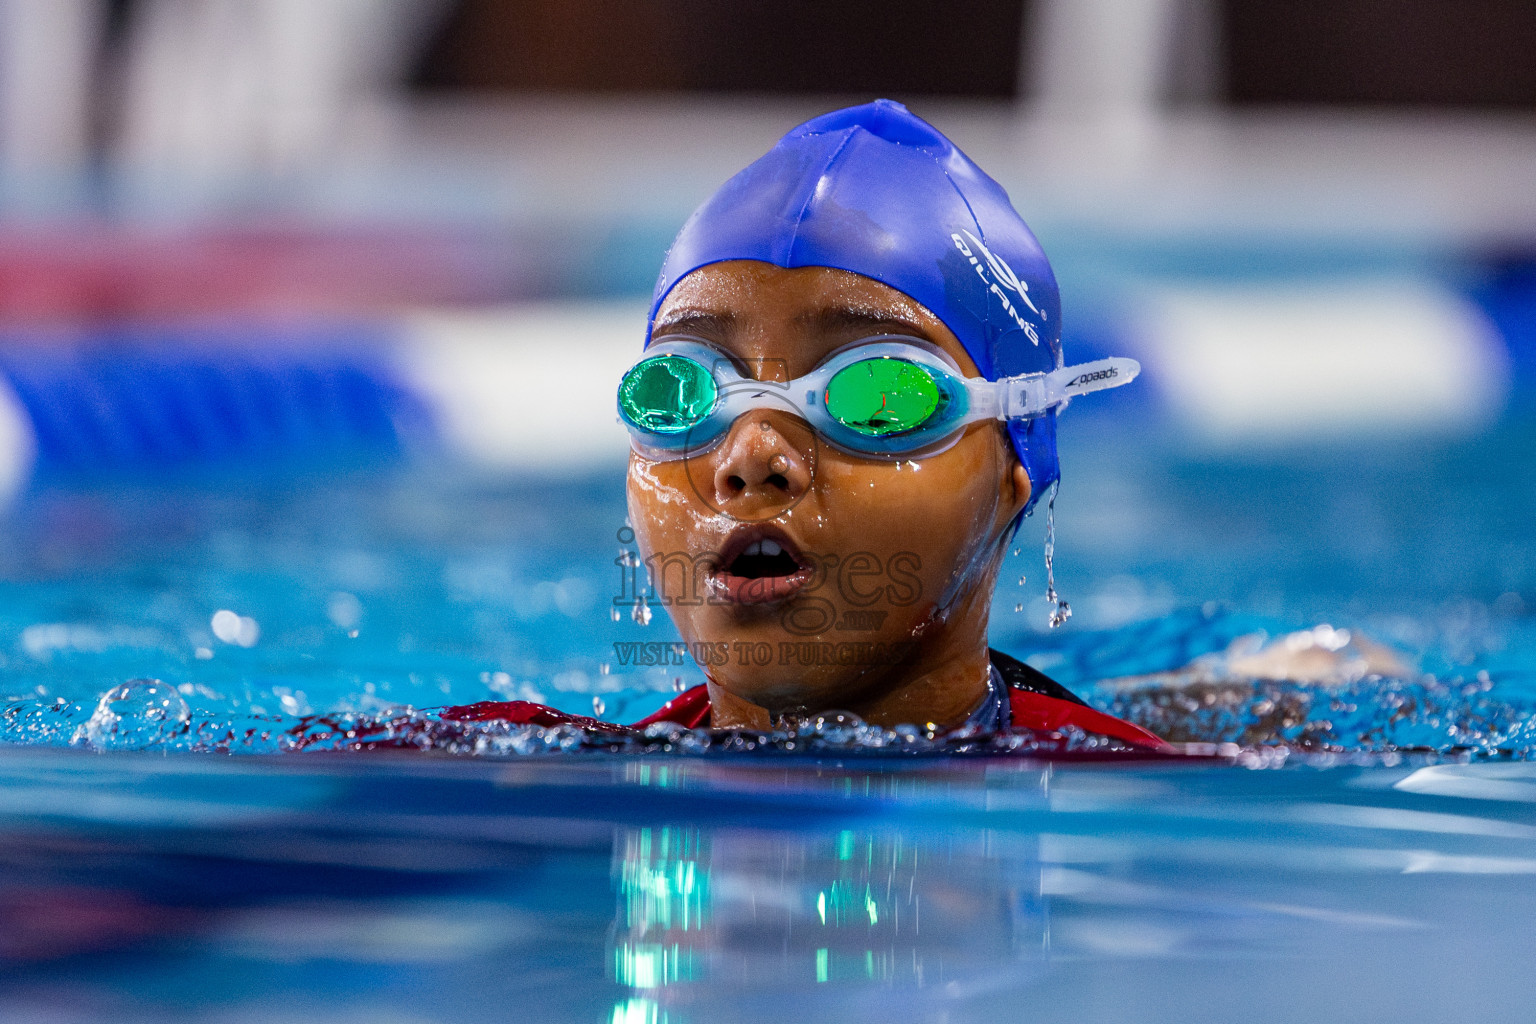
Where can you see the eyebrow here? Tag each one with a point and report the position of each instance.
(695, 321)
(839, 319)
(826, 320)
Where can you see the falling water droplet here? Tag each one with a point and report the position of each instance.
(598, 707)
(678, 686)
(1018, 607)
(1060, 614)
(1023, 580)
(1060, 610)
(613, 613)
(642, 612)
(605, 668)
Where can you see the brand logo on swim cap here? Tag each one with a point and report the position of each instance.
(997, 275)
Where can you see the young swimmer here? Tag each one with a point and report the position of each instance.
(846, 403)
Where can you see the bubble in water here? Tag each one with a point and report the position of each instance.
(598, 707)
(836, 728)
(641, 612)
(137, 715)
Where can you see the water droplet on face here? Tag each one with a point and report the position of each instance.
(136, 715)
(641, 612)
(598, 707)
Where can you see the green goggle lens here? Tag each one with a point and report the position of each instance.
(668, 394)
(880, 397)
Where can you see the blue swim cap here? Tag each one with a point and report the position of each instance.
(877, 191)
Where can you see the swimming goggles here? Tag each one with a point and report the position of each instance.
(888, 397)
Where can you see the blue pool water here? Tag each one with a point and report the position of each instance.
(1384, 871)
(377, 588)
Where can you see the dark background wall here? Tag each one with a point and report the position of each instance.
(1442, 52)
(967, 48)
(1394, 52)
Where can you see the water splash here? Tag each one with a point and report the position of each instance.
(1060, 610)
(137, 715)
(836, 732)
(1374, 715)
(1260, 723)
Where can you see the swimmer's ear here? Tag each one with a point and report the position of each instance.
(1019, 478)
(1016, 492)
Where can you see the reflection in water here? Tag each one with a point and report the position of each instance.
(703, 914)
(697, 890)
(664, 902)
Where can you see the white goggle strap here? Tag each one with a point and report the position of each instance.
(1033, 394)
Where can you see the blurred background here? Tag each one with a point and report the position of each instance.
(1307, 218)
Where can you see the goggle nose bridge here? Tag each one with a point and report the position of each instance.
(757, 364)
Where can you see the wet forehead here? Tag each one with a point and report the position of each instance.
(790, 320)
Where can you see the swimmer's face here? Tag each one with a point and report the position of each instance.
(825, 580)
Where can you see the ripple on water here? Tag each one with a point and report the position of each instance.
(1256, 722)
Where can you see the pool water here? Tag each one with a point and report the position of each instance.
(1369, 855)
(261, 599)
(405, 888)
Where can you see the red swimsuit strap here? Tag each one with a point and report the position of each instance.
(691, 710)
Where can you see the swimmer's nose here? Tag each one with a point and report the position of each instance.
(759, 463)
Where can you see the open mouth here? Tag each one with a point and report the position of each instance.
(759, 568)
(763, 559)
